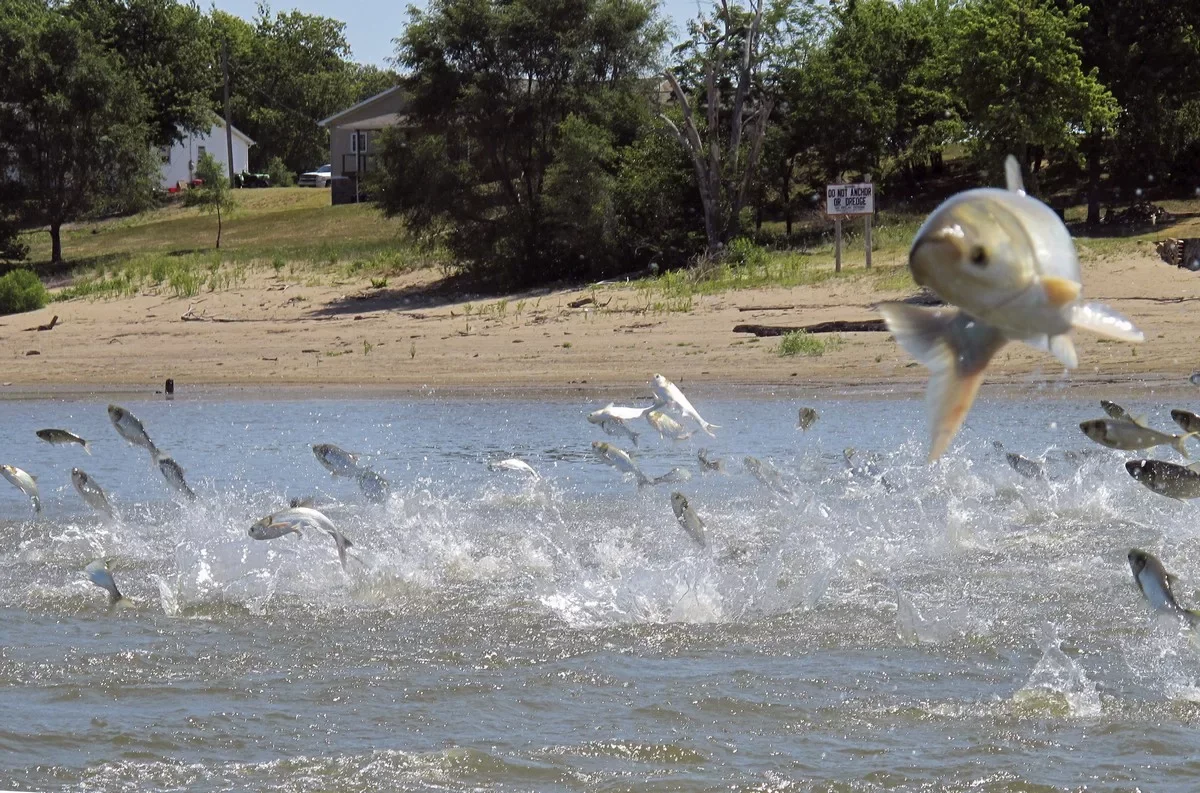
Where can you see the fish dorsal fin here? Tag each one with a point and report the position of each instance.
(1194, 467)
(1012, 175)
(1139, 420)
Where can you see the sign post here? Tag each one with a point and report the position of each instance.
(849, 199)
(867, 225)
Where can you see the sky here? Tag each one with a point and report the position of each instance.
(372, 24)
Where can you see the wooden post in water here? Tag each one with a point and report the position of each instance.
(837, 243)
(867, 229)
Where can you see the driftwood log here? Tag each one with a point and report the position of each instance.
(837, 326)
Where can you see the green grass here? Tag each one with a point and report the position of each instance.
(799, 342)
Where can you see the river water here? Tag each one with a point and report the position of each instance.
(943, 628)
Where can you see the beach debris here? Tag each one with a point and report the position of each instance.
(1186, 419)
(806, 418)
(1127, 436)
(513, 464)
(1007, 265)
(51, 325)
(129, 428)
(1183, 253)
(667, 427)
(1154, 582)
(669, 394)
(63, 438)
(1167, 479)
(24, 482)
(91, 492)
(587, 301)
(688, 519)
(1140, 213)
(173, 473)
(834, 326)
(619, 459)
(338, 461)
(99, 574)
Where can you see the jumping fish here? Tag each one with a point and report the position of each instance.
(612, 420)
(1127, 436)
(708, 464)
(1030, 469)
(667, 427)
(63, 438)
(807, 417)
(1155, 582)
(668, 393)
(1167, 479)
(373, 486)
(688, 519)
(91, 492)
(674, 476)
(766, 473)
(1187, 420)
(129, 428)
(1119, 413)
(513, 464)
(1007, 265)
(620, 460)
(99, 574)
(338, 461)
(24, 482)
(173, 473)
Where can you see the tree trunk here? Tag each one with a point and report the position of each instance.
(56, 243)
(218, 227)
(1092, 152)
(787, 198)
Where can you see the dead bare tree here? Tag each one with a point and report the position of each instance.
(725, 167)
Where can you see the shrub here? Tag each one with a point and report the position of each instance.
(799, 342)
(20, 291)
(280, 175)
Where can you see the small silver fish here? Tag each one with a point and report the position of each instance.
(99, 574)
(1195, 378)
(674, 476)
(620, 460)
(807, 418)
(1120, 414)
(1166, 479)
(129, 428)
(688, 519)
(63, 438)
(24, 482)
(92, 494)
(707, 464)
(1030, 469)
(1127, 436)
(1187, 420)
(513, 464)
(373, 486)
(1155, 582)
(338, 461)
(766, 473)
(173, 473)
(667, 393)
(667, 427)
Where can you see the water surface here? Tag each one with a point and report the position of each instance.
(944, 627)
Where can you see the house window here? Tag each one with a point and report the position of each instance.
(358, 143)
(200, 152)
(164, 154)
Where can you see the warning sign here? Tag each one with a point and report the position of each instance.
(850, 199)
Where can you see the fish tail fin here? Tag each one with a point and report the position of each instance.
(87, 447)
(1103, 321)
(1177, 443)
(37, 504)
(114, 595)
(635, 438)
(1064, 350)
(956, 349)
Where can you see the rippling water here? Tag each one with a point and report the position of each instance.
(947, 627)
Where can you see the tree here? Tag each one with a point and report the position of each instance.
(1022, 81)
(164, 46)
(73, 121)
(213, 195)
(512, 101)
(725, 162)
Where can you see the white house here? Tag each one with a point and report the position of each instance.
(179, 162)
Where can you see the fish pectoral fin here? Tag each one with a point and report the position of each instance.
(1194, 467)
(956, 348)
(1103, 321)
(1061, 291)
(1012, 175)
(1177, 443)
(1064, 350)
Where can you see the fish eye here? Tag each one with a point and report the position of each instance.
(978, 256)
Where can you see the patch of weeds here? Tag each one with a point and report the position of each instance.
(566, 345)
(367, 347)
(379, 283)
(277, 264)
(799, 342)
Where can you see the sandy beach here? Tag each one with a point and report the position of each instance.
(272, 330)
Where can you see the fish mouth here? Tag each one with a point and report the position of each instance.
(935, 251)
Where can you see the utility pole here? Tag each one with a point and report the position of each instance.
(228, 125)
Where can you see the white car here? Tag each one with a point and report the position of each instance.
(317, 178)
